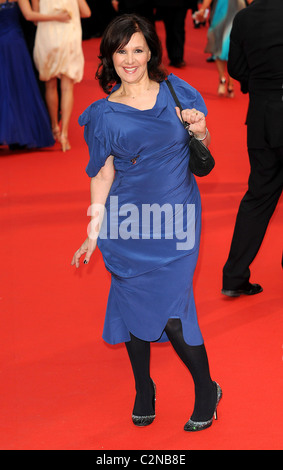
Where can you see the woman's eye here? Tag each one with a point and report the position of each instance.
(122, 51)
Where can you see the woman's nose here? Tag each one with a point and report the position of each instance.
(130, 58)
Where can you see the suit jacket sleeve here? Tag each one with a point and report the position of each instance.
(237, 62)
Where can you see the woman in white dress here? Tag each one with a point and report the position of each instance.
(58, 54)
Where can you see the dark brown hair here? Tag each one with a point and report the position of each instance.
(117, 34)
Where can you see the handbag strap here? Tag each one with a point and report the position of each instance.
(172, 91)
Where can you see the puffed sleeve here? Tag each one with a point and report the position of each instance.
(188, 96)
(96, 136)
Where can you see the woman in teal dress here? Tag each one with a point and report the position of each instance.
(218, 38)
(150, 202)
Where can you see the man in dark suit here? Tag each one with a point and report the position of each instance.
(173, 13)
(256, 61)
(139, 7)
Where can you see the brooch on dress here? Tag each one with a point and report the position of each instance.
(134, 160)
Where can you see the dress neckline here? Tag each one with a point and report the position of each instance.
(132, 107)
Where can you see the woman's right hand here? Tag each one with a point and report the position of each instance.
(87, 248)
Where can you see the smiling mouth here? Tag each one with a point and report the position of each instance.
(130, 69)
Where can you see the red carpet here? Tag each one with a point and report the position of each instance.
(62, 387)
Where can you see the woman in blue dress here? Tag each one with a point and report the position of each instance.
(24, 120)
(145, 210)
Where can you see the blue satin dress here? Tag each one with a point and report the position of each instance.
(152, 265)
(24, 118)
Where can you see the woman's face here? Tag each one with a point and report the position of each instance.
(130, 62)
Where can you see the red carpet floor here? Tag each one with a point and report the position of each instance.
(62, 387)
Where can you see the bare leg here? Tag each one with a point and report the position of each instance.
(67, 101)
(230, 87)
(52, 101)
(221, 67)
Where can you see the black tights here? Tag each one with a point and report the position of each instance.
(195, 359)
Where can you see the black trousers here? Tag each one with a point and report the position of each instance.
(142, 8)
(256, 208)
(174, 22)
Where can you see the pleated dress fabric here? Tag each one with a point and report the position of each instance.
(218, 35)
(152, 264)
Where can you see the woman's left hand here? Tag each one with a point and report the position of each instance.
(63, 16)
(196, 120)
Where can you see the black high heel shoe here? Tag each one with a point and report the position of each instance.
(193, 426)
(146, 420)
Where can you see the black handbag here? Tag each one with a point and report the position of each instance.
(201, 161)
